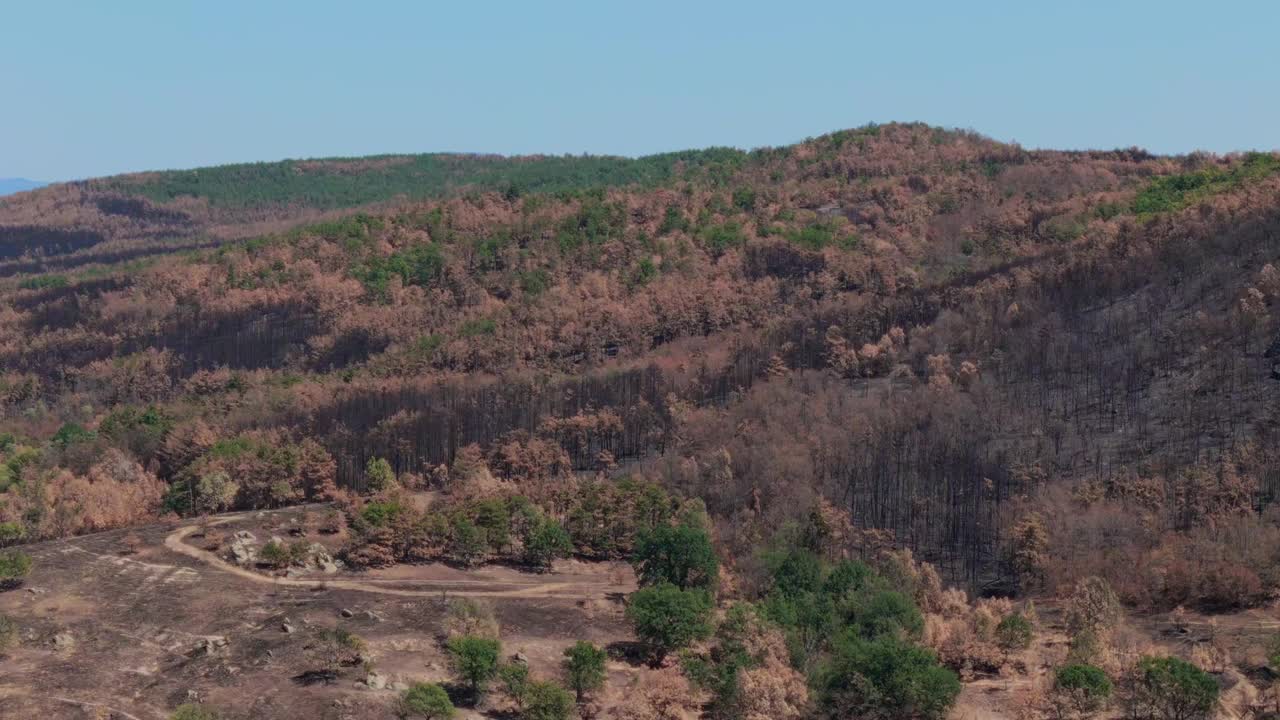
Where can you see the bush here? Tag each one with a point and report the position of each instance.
(584, 668)
(275, 555)
(15, 565)
(547, 701)
(465, 616)
(667, 618)
(1080, 690)
(1169, 688)
(476, 660)
(1014, 632)
(426, 700)
(192, 711)
(379, 474)
(8, 633)
(11, 532)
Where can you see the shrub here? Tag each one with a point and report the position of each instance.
(379, 475)
(383, 514)
(667, 618)
(465, 616)
(8, 633)
(11, 532)
(1080, 690)
(426, 700)
(15, 565)
(584, 668)
(475, 659)
(1014, 632)
(547, 701)
(885, 612)
(275, 555)
(192, 711)
(1169, 688)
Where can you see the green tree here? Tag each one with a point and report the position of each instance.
(379, 474)
(476, 660)
(426, 700)
(514, 677)
(667, 618)
(1080, 690)
(547, 701)
(1014, 632)
(884, 678)
(1169, 688)
(469, 543)
(584, 668)
(546, 541)
(681, 555)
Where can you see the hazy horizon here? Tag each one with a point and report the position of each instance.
(155, 86)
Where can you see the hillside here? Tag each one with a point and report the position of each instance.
(1027, 368)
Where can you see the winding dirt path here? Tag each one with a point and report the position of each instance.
(580, 588)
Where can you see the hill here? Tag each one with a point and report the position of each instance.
(9, 186)
(1030, 369)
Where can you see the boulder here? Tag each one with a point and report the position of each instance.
(244, 548)
(210, 645)
(318, 557)
(64, 641)
(376, 681)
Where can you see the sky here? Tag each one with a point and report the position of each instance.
(94, 88)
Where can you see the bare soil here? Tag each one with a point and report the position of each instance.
(109, 633)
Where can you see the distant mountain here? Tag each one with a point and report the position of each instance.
(9, 186)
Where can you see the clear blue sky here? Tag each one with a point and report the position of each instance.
(92, 88)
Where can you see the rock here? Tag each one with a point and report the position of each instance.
(398, 686)
(64, 641)
(244, 548)
(373, 616)
(520, 658)
(347, 613)
(286, 626)
(318, 557)
(376, 681)
(210, 645)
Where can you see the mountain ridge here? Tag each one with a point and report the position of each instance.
(11, 185)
